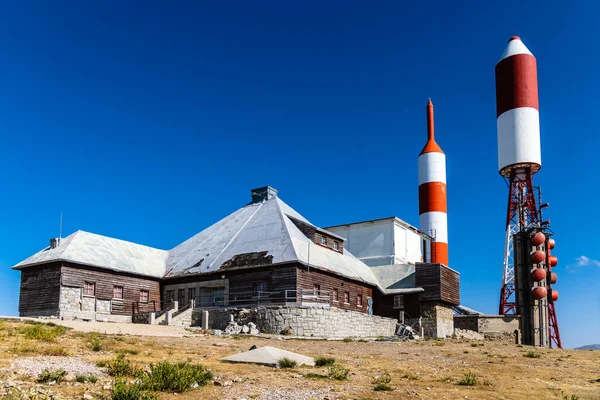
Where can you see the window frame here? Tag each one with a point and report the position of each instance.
(191, 294)
(336, 246)
(122, 289)
(169, 296)
(316, 289)
(346, 297)
(399, 302)
(259, 288)
(359, 300)
(142, 292)
(324, 240)
(336, 295)
(85, 288)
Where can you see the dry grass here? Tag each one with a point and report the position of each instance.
(501, 373)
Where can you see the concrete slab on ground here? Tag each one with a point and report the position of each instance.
(268, 355)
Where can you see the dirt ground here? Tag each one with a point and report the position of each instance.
(424, 369)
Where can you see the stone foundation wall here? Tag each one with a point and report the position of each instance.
(437, 320)
(303, 321)
(73, 305)
(488, 323)
(103, 306)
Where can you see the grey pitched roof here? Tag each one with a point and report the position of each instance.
(260, 234)
(257, 234)
(396, 278)
(104, 252)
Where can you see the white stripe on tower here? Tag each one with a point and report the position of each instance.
(517, 110)
(433, 218)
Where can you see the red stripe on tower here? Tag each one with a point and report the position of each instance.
(433, 218)
(517, 109)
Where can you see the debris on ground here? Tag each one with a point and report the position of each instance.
(468, 334)
(72, 365)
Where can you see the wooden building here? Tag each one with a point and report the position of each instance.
(265, 253)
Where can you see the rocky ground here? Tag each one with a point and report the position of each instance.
(417, 369)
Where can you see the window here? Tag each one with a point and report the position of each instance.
(191, 294)
(359, 300)
(170, 296)
(144, 296)
(260, 289)
(317, 289)
(117, 292)
(336, 246)
(323, 240)
(336, 295)
(180, 297)
(399, 301)
(89, 289)
(347, 297)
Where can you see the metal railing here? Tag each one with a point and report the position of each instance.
(167, 307)
(184, 308)
(310, 298)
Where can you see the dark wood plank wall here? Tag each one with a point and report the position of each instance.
(428, 277)
(450, 286)
(279, 278)
(75, 276)
(40, 290)
(383, 305)
(440, 283)
(241, 281)
(316, 236)
(308, 278)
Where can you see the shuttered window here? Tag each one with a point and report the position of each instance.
(117, 292)
(89, 289)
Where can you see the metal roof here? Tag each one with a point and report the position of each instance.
(104, 252)
(260, 233)
(263, 234)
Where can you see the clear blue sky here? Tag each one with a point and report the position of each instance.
(148, 122)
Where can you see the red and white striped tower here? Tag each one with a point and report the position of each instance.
(433, 217)
(519, 153)
(519, 159)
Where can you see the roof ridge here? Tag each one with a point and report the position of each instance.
(286, 230)
(235, 235)
(114, 238)
(189, 253)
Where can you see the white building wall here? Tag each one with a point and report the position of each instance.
(408, 245)
(382, 242)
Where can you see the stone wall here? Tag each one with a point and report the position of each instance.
(303, 321)
(73, 305)
(103, 306)
(488, 323)
(437, 320)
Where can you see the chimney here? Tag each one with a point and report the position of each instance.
(54, 243)
(263, 194)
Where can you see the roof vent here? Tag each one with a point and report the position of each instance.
(263, 194)
(54, 243)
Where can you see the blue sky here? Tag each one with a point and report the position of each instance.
(148, 122)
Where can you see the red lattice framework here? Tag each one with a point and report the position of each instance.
(522, 214)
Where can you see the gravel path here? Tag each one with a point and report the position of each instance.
(72, 365)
